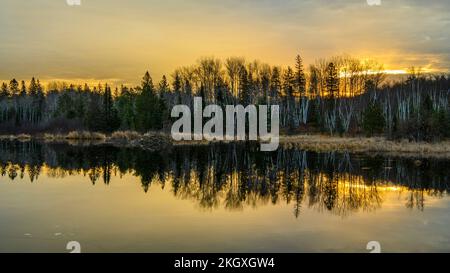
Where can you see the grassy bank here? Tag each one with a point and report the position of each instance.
(147, 141)
(317, 143)
(372, 145)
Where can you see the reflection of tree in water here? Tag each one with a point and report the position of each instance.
(236, 176)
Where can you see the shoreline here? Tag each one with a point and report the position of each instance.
(310, 142)
(368, 145)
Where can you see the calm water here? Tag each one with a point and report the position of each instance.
(220, 198)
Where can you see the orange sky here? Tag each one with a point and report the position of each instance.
(117, 41)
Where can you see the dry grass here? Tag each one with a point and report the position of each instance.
(7, 137)
(85, 135)
(20, 137)
(23, 137)
(98, 136)
(380, 145)
(124, 136)
(54, 137)
(78, 135)
(318, 143)
(47, 136)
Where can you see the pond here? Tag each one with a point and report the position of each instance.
(218, 198)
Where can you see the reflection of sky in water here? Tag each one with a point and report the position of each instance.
(116, 41)
(46, 214)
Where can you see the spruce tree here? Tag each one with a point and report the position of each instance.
(288, 83)
(300, 78)
(111, 118)
(125, 108)
(149, 112)
(4, 91)
(23, 89)
(373, 119)
(176, 83)
(14, 87)
(94, 117)
(288, 88)
(164, 87)
(39, 102)
(275, 83)
(32, 89)
(332, 81)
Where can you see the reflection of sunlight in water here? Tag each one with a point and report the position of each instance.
(199, 198)
(340, 193)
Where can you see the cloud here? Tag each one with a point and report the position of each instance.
(116, 39)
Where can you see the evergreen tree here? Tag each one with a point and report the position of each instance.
(14, 87)
(373, 119)
(164, 87)
(288, 88)
(38, 102)
(125, 108)
(176, 83)
(65, 106)
(86, 89)
(440, 124)
(80, 103)
(94, 117)
(314, 113)
(288, 83)
(300, 78)
(149, 114)
(275, 83)
(32, 89)
(4, 91)
(23, 89)
(109, 113)
(332, 81)
(147, 84)
(313, 81)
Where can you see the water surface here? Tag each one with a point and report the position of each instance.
(218, 198)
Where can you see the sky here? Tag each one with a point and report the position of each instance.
(117, 41)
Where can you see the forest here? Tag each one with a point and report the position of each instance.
(340, 95)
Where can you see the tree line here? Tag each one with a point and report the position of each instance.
(339, 95)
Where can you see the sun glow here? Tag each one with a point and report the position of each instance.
(395, 71)
(344, 74)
